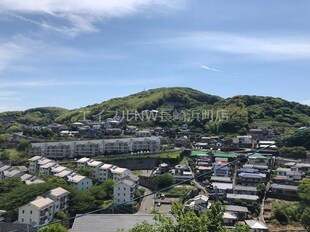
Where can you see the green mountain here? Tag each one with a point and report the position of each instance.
(213, 114)
(13, 120)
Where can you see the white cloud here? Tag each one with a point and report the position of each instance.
(82, 15)
(210, 69)
(18, 47)
(257, 47)
(306, 102)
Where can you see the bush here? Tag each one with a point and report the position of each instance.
(281, 216)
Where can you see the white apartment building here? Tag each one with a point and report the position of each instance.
(60, 197)
(119, 173)
(123, 191)
(79, 182)
(46, 169)
(243, 140)
(82, 163)
(105, 172)
(95, 165)
(2, 170)
(40, 211)
(57, 169)
(91, 148)
(12, 172)
(35, 163)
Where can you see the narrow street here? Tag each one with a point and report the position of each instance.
(147, 203)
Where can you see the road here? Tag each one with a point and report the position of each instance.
(147, 203)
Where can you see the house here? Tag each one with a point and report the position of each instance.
(82, 163)
(271, 145)
(12, 172)
(181, 173)
(260, 168)
(221, 169)
(79, 182)
(119, 173)
(258, 159)
(222, 187)
(25, 177)
(240, 211)
(105, 172)
(123, 191)
(252, 179)
(221, 179)
(249, 190)
(249, 199)
(256, 226)
(46, 169)
(243, 141)
(57, 169)
(182, 141)
(230, 219)
(95, 165)
(198, 203)
(39, 211)
(34, 180)
(2, 170)
(284, 190)
(64, 173)
(33, 164)
(61, 198)
(292, 175)
(143, 133)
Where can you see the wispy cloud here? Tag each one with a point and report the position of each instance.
(274, 48)
(18, 47)
(210, 69)
(81, 15)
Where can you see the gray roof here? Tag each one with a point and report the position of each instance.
(242, 197)
(221, 179)
(109, 222)
(253, 224)
(286, 187)
(236, 208)
(245, 188)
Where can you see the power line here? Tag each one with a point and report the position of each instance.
(115, 206)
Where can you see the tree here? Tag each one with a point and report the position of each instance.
(185, 221)
(53, 228)
(242, 228)
(162, 181)
(305, 219)
(303, 191)
(261, 188)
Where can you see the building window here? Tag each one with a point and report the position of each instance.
(22, 220)
(30, 211)
(124, 188)
(23, 211)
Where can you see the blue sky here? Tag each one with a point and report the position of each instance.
(78, 52)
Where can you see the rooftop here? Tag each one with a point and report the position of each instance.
(58, 192)
(236, 208)
(83, 160)
(41, 202)
(76, 178)
(35, 158)
(110, 222)
(242, 197)
(286, 187)
(226, 155)
(253, 224)
(119, 170)
(222, 185)
(64, 173)
(106, 166)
